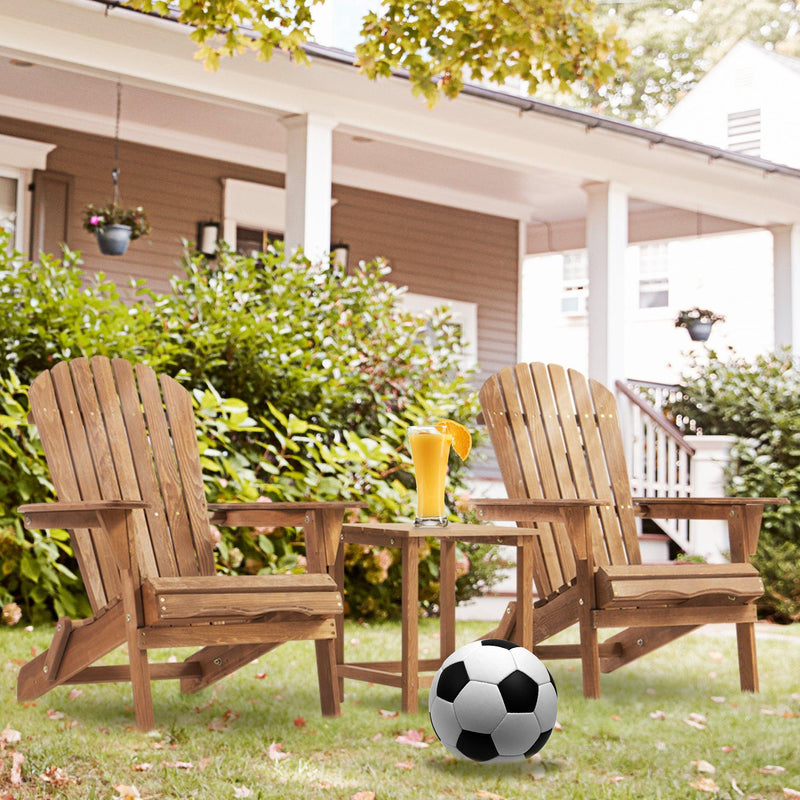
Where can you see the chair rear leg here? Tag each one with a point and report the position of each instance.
(590, 655)
(748, 665)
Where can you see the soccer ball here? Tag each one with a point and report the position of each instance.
(493, 701)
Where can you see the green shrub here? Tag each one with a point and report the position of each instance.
(327, 370)
(759, 402)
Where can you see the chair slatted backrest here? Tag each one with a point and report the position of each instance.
(107, 438)
(556, 435)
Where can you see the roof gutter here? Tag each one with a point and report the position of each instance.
(587, 119)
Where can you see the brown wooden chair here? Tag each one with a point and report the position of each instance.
(125, 464)
(557, 435)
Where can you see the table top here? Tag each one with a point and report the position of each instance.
(398, 532)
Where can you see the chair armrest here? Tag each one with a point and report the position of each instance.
(697, 507)
(531, 509)
(39, 516)
(573, 513)
(265, 513)
(110, 516)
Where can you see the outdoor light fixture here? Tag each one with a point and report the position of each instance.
(207, 238)
(340, 253)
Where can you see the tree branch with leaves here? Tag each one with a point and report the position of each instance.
(440, 44)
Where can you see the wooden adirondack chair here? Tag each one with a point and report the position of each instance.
(557, 435)
(126, 467)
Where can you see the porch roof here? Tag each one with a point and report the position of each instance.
(488, 150)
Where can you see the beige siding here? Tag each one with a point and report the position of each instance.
(442, 251)
(433, 249)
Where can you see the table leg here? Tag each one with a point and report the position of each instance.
(523, 632)
(338, 576)
(410, 626)
(447, 597)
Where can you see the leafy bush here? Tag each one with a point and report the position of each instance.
(327, 370)
(759, 402)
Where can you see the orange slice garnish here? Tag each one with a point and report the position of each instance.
(462, 438)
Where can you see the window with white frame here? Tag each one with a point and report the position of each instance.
(654, 275)
(463, 313)
(575, 288)
(18, 159)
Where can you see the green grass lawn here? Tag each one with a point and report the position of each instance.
(672, 725)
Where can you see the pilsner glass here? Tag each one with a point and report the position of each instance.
(430, 449)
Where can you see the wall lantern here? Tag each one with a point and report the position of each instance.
(340, 253)
(207, 238)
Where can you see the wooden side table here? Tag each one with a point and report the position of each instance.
(405, 673)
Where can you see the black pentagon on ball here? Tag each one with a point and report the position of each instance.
(538, 744)
(451, 681)
(520, 692)
(477, 746)
(498, 643)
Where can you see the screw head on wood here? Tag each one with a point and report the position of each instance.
(218, 661)
(45, 669)
(640, 642)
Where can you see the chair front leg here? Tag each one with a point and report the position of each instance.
(140, 668)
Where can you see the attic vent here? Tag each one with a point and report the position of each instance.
(744, 132)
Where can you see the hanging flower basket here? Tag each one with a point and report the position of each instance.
(115, 226)
(698, 321)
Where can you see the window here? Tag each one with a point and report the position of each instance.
(744, 132)
(255, 240)
(255, 215)
(464, 314)
(575, 290)
(653, 276)
(18, 159)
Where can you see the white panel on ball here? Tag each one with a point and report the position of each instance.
(479, 707)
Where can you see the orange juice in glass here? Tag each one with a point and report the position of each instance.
(430, 449)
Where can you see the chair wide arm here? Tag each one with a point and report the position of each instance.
(110, 516)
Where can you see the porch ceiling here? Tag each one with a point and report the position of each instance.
(471, 153)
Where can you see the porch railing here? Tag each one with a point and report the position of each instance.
(659, 457)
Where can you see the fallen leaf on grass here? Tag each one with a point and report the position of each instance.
(771, 769)
(790, 792)
(715, 655)
(362, 796)
(56, 776)
(242, 791)
(177, 764)
(276, 753)
(728, 748)
(142, 766)
(405, 765)
(735, 787)
(125, 792)
(15, 778)
(388, 714)
(616, 778)
(55, 715)
(489, 795)
(416, 738)
(658, 714)
(703, 766)
(223, 723)
(537, 771)
(616, 717)
(693, 723)
(704, 785)
(299, 722)
(261, 675)
(8, 735)
(715, 698)
(74, 694)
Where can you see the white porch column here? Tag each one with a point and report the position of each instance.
(606, 244)
(786, 288)
(309, 157)
(712, 454)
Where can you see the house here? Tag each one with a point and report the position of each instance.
(455, 198)
(740, 107)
